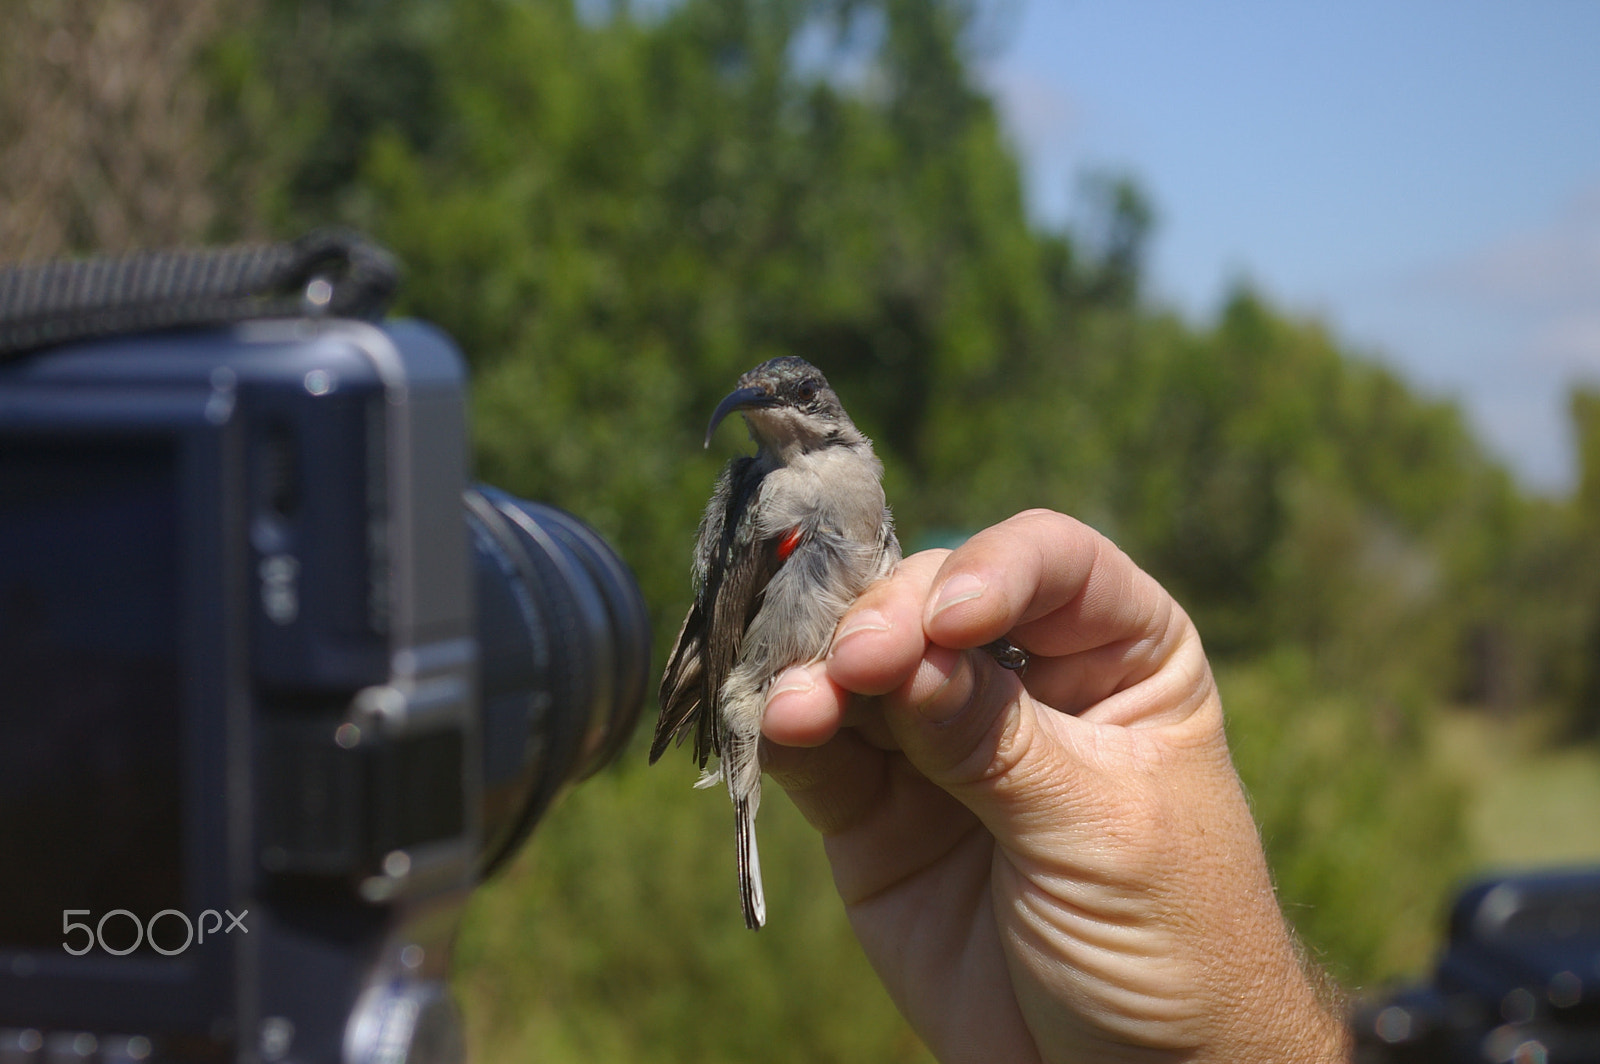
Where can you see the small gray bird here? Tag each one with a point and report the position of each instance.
(792, 535)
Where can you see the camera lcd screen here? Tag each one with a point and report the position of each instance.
(90, 693)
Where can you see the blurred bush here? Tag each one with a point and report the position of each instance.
(610, 940)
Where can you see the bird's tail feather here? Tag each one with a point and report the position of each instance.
(750, 892)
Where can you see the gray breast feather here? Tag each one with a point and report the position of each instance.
(794, 625)
(796, 622)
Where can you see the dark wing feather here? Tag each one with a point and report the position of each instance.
(682, 685)
(731, 572)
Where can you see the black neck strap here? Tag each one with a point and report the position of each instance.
(327, 273)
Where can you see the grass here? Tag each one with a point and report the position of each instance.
(1529, 801)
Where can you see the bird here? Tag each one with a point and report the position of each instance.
(792, 535)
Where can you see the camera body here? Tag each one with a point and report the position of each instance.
(272, 699)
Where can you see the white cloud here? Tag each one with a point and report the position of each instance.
(1551, 267)
(1571, 340)
(1509, 326)
(1036, 111)
(1045, 126)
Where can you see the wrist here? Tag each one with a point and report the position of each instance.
(1297, 1015)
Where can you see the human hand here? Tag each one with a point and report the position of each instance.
(1057, 866)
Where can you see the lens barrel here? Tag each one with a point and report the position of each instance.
(564, 655)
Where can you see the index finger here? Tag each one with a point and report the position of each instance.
(1054, 584)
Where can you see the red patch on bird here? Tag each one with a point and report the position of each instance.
(788, 543)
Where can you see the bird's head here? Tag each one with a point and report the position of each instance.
(789, 407)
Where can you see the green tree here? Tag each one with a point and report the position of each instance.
(1583, 703)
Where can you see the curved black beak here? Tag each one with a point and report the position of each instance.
(742, 399)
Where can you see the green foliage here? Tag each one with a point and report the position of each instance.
(1365, 834)
(612, 939)
(615, 218)
(1583, 585)
(615, 211)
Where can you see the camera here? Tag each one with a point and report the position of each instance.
(278, 687)
(1518, 982)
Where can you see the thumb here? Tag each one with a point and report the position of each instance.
(971, 728)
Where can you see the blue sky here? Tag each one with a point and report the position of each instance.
(1422, 175)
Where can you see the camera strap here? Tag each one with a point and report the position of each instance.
(326, 273)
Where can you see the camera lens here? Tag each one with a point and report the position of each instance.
(564, 653)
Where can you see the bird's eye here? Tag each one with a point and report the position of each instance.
(807, 391)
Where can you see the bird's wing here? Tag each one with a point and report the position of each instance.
(683, 690)
(732, 570)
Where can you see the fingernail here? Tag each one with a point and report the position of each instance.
(794, 681)
(860, 621)
(963, 587)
